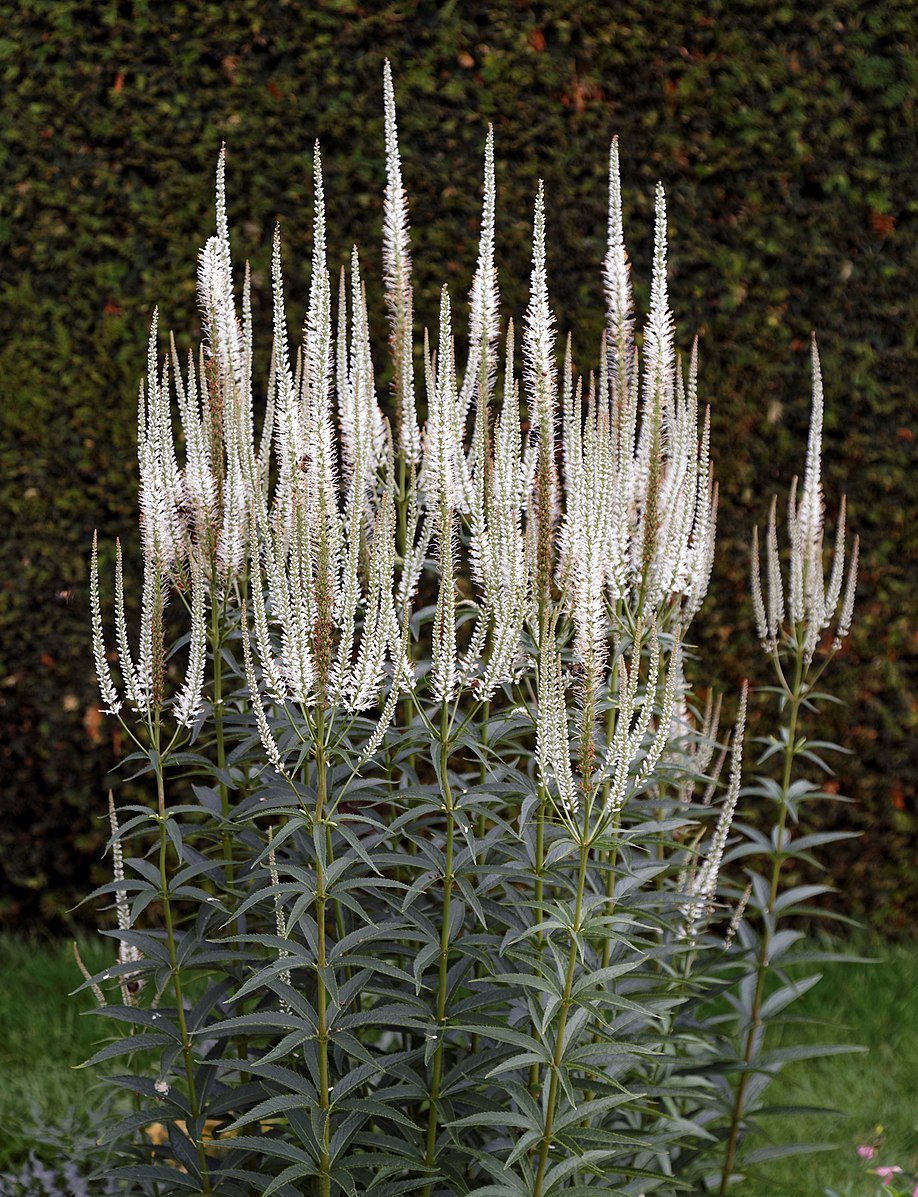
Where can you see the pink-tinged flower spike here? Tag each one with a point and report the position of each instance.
(397, 272)
(866, 1151)
(103, 672)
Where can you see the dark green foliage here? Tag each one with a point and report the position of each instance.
(371, 995)
(785, 135)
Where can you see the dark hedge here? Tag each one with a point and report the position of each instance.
(785, 135)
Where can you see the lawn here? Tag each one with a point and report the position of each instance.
(43, 1035)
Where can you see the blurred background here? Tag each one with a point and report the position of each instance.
(785, 136)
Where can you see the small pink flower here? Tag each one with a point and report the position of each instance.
(866, 1152)
(887, 1173)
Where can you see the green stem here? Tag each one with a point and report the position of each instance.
(539, 896)
(557, 1055)
(216, 650)
(539, 864)
(193, 1101)
(794, 700)
(443, 977)
(611, 863)
(481, 823)
(322, 1035)
(610, 858)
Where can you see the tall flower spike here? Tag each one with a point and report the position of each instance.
(125, 660)
(775, 584)
(443, 476)
(539, 333)
(188, 701)
(552, 743)
(484, 321)
(617, 279)
(541, 393)
(812, 598)
(397, 270)
(290, 428)
(444, 666)
(833, 592)
(659, 357)
(103, 672)
(703, 886)
(811, 509)
(758, 601)
(127, 953)
(318, 363)
(264, 729)
(847, 607)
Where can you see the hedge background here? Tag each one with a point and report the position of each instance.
(785, 135)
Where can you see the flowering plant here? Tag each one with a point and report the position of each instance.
(434, 896)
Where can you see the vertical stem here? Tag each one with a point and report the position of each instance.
(539, 896)
(443, 978)
(193, 1101)
(539, 863)
(610, 858)
(554, 1083)
(322, 964)
(611, 862)
(216, 650)
(540, 857)
(794, 700)
(481, 827)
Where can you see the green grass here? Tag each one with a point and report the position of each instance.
(42, 1037)
(876, 1006)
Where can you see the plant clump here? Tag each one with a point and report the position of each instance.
(441, 888)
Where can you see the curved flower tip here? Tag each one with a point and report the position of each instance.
(866, 1152)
